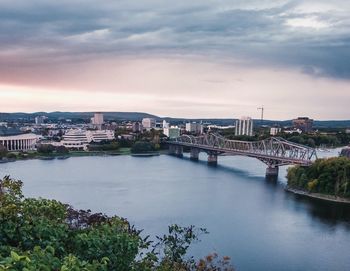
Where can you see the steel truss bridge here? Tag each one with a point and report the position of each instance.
(274, 151)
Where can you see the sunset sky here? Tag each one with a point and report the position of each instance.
(198, 58)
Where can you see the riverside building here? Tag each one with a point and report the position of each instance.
(244, 126)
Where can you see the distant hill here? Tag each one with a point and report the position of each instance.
(138, 116)
(75, 115)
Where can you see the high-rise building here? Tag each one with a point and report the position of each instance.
(97, 120)
(39, 120)
(136, 127)
(165, 124)
(148, 123)
(193, 127)
(303, 123)
(244, 126)
(172, 132)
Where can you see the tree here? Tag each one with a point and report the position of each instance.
(42, 234)
(62, 150)
(45, 148)
(3, 151)
(142, 147)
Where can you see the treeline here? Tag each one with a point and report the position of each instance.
(41, 234)
(327, 176)
(311, 140)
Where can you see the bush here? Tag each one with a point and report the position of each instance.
(45, 148)
(142, 147)
(3, 151)
(62, 150)
(41, 234)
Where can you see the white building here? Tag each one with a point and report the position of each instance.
(20, 142)
(244, 126)
(80, 139)
(193, 127)
(172, 132)
(39, 120)
(75, 139)
(165, 124)
(275, 130)
(100, 135)
(148, 123)
(97, 120)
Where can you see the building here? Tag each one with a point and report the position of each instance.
(75, 139)
(80, 139)
(165, 124)
(244, 126)
(97, 121)
(137, 127)
(303, 123)
(275, 130)
(14, 140)
(100, 135)
(172, 132)
(194, 128)
(148, 123)
(39, 120)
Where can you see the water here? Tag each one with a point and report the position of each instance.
(255, 222)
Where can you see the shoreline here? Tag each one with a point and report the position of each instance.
(319, 196)
(78, 154)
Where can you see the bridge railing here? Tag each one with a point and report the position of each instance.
(274, 147)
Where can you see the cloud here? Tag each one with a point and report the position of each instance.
(267, 32)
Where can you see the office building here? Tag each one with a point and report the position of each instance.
(275, 130)
(148, 123)
(39, 120)
(244, 126)
(97, 121)
(303, 123)
(137, 127)
(194, 128)
(172, 132)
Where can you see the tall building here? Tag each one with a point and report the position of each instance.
(165, 124)
(244, 126)
(172, 132)
(193, 127)
(148, 123)
(97, 120)
(136, 127)
(39, 120)
(303, 123)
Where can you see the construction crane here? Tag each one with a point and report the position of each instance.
(262, 114)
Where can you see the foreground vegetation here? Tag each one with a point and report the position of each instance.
(41, 234)
(326, 176)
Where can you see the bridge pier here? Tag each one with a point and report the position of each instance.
(179, 151)
(212, 159)
(194, 155)
(272, 172)
(172, 149)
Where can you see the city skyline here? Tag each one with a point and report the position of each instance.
(204, 59)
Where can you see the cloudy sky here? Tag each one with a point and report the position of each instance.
(198, 58)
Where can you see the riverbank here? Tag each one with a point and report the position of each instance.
(61, 156)
(318, 195)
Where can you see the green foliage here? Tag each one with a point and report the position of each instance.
(62, 150)
(42, 234)
(45, 148)
(328, 176)
(143, 147)
(3, 151)
(104, 146)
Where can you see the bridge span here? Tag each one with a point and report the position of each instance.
(274, 151)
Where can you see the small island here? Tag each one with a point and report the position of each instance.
(326, 179)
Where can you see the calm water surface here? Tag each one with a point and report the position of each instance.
(254, 221)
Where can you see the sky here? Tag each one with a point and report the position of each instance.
(191, 59)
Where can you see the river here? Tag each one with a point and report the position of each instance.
(255, 222)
